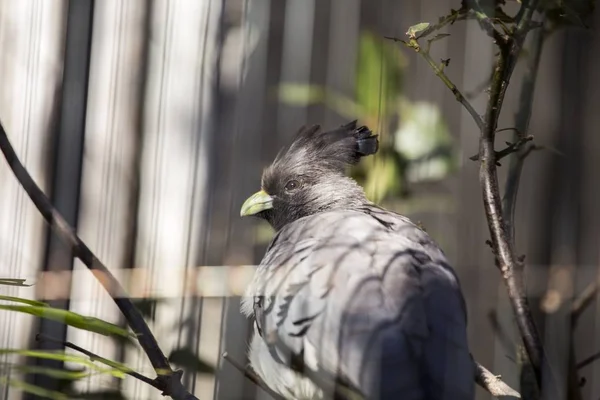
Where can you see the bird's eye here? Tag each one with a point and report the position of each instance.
(292, 185)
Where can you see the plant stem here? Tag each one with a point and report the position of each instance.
(94, 357)
(168, 379)
(457, 93)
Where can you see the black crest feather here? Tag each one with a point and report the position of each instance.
(334, 149)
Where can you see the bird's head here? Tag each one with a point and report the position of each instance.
(309, 175)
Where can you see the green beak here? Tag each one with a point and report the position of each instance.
(259, 201)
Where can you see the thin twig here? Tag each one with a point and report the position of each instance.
(588, 360)
(457, 93)
(487, 24)
(480, 88)
(94, 357)
(510, 149)
(444, 78)
(253, 377)
(169, 380)
(522, 119)
(449, 19)
(584, 299)
(493, 384)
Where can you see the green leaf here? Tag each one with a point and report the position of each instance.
(413, 30)
(25, 301)
(118, 370)
(35, 390)
(13, 282)
(68, 374)
(70, 318)
(186, 358)
(383, 175)
(379, 76)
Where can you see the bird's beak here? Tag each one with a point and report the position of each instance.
(259, 201)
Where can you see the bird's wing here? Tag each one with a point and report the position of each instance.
(367, 299)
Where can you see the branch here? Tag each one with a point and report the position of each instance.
(500, 231)
(584, 300)
(94, 357)
(253, 377)
(487, 25)
(588, 360)
(169, 380)
(455, 15)
(510, 149)
(438, 70)
(493, 384)
(522, 119)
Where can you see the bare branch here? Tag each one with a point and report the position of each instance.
(588, 360)
(438, 70)
(522, 118)
(584, 299)
(169, 380)
(500, 231)
(510, 149)
(493, 384)
(486, 23)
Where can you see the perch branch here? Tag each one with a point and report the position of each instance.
(493, 384)
(169, 380)
(94, 357)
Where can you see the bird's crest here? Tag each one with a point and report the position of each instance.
(336, 148)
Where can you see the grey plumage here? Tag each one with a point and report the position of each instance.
(347, 292)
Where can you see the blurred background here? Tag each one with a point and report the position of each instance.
(148, 123)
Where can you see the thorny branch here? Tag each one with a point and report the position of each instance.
(500, 223)
(503, 246)
(168, 381)
(439, 71)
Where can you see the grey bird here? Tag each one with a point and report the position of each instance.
(350, 300)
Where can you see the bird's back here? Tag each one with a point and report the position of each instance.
(366, 298)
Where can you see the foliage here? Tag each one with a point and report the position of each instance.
(415, 142)
(13, 282)
(69, 318)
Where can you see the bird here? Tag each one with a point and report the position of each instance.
(350, 301)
